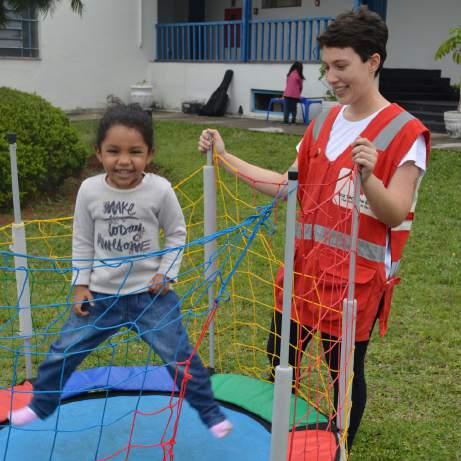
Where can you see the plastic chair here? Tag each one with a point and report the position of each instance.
(272, 102)
(305, 105)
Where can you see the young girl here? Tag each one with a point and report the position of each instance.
(293, 90)
(390, 147)
(119, 214)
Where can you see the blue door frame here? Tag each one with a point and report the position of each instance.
(246, 18)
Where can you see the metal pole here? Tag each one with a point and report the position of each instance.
(209, 188)
(346, 367)
(20, 260)
(283, 371)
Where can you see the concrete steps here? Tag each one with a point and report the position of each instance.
(422, 92)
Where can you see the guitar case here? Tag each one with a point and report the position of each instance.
(216, 105)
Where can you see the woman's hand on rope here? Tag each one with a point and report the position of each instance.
(365, 155)
(82, 300)
(211, 137)
(159, 284)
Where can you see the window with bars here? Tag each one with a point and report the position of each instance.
(19, 36)
(280, 3)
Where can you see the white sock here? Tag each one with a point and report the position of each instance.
(221, 429)
(23, 416)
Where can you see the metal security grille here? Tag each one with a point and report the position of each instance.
(18, 36)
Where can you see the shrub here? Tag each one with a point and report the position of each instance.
(48, 147)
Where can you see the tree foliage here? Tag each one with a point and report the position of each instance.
(44, 6)
(452, 45)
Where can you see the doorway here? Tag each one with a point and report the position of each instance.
(379, 6)
(196, 10)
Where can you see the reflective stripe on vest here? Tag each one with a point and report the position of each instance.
(385, 136)
(371, 251)
(319, 121)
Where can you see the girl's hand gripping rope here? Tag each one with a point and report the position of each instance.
(159, 284)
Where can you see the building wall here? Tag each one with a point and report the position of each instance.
(326, 8)
(149, 14)
(175, 83)
(416, 28)
(84, 59)
(215, 9)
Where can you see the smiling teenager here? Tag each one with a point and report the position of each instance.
(390, 149)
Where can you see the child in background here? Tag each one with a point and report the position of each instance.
(136, 295)
(293, 90)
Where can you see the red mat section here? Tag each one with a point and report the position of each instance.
(17, 397)
(313, 445)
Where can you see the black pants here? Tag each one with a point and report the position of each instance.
(332, 351)
(290, 108)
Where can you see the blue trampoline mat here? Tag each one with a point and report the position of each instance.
(79, 434)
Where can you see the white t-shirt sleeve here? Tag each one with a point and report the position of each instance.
(417, 154)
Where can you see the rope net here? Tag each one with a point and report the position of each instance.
(248, 254)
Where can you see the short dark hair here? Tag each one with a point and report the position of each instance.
(363, 30)
(129, 115)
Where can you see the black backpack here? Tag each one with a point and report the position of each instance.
(216, 105)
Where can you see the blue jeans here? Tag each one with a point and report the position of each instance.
(155, 318)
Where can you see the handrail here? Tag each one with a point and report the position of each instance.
(260, 40)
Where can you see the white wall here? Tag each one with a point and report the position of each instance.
(175, 83)
(84, 59)
(416, 28)
(149, 19)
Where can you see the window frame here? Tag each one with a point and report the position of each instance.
(264, 4)
(20, 29)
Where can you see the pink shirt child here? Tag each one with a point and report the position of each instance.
(294, 85)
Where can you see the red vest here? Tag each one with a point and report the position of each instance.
(325, 197)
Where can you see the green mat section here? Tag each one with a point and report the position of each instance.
(256, 397)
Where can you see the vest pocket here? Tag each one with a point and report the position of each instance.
(332, 287)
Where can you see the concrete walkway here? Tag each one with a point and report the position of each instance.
(439, 140)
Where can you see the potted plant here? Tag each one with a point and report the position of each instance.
(329, 98)
(452, 45)
(141, 93)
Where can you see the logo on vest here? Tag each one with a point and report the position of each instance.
(344, 193)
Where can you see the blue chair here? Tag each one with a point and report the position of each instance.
(305, 104)
(272, 102)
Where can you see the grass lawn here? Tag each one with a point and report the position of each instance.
(414, 373)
